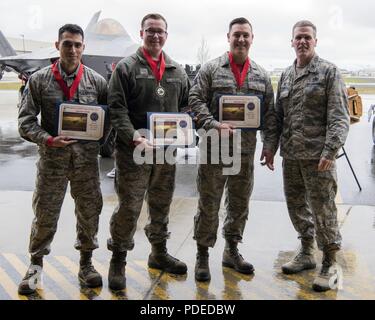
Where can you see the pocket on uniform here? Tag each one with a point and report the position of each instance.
(315, 89)
(173, 83)
(223, 85)
(173, 80)
(313, 131)
(257, 86)
(141, 76)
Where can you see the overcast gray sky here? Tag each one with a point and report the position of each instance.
(346, 28)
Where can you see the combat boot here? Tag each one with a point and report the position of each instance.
(116, 274)
(33, 277)
(330, 275)
(87, 274)
(233, 259)
(160, 259)
(304, 260)
(202, 269)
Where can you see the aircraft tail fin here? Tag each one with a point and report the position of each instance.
(93, 22)
(5, 48)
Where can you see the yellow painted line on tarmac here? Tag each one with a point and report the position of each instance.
(199, 296)
(305, 286)
(246, 294)
(143, 264)
(259, 278)
(64, 284)
(304, 290)
(360, 285)
(166, 278)
(134, 294)
(208, 288)
(299, 279)
(181, 285)
(9, 286)
(158, 291)
(21, 268)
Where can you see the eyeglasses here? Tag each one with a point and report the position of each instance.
(151, 32)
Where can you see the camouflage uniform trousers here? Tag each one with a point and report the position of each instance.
(238, 188)
(133, 182)
(310, 197)
(56, 166)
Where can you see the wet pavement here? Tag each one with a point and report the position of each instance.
(269, 239)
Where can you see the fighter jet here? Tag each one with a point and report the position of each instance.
(106, 43)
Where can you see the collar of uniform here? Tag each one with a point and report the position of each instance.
(64, 75)
(168, 61)
(312, 66)
(226, 63)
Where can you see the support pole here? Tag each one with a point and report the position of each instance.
(350, 165)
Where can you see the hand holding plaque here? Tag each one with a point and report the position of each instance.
(240, 111)
(81, 122)
(167, 128)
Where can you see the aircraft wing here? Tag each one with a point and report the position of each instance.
(28, 63)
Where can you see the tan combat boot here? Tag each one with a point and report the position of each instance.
(33, 277)
(330, 275)
(87, 274)
(304, 259)
(202, 269)
(233, 259)
(116, 273)
(160, 259)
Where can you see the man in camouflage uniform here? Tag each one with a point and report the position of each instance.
(313, 120)
(61, 159)
(214, 79)
(139, 85)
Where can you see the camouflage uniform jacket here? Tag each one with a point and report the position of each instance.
(313, 114)
(43, 93)
(216, 78)
(132, 93)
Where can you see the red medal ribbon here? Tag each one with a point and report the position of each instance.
(68, 92)
(157, 71)
(239, 76)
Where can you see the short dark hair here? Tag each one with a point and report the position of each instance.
(71, 28)
(155, 16)
(304, 23)
(240, 20)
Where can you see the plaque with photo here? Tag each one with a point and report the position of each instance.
(241, 111)
(81, 122)
(167, 128)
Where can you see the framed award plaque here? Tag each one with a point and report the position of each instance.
(81, 122)
(167, 128)
(241, 111)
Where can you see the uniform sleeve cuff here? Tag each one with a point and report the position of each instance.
(213, 124)
(329, 154)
